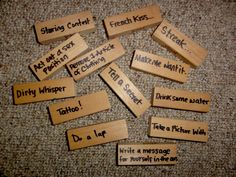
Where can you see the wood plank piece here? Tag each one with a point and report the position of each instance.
(59, 56)
(160, 66)
(125, 89)
(56, 29)
(44, 90)
(97, 134)
(90, 62)
(79, 106)
(134, 20)
(170, 36)
(146, 154)
(178, 129)
(181, 99)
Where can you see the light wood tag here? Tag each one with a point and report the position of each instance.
(97, 134)
(125, 89)
(57, 29)
(181, 99)
(146, 154)
(58, 57)
(170, 36)
(44, 90)
(160, 66)
(79, 106)
(90, 62)
(134, 20)
(178, 129)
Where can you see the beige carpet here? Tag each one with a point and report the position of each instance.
(31, 146)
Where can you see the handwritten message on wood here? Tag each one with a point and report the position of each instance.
(146, 154)
(88, 63)
(130, 21)
(170, 36)
(181, 99)
(58, 57)
(160, 66)
(57, 29)
(44, 90)
(79, 106)
(178, 129)
(125, 89)
(97, 134)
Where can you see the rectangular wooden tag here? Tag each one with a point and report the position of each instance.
(181, 99)
(160, 66)
(58, 57)
(170, 36)
(134, 20)
(146, 154)
(125, 89)
(178, 129)
(79, 106)
(90, 62)
(97, 134)
(44, 90)
(57, 29)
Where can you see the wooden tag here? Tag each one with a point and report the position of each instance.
(178, 129)
(57, 29)
(146, 154)
(170, 36)
(125, 89)
(160, 66)
(134, 20)
(79, 106)
(44, 90)
(97, 134)
(58, 57)
(181, 99)
(88, 63)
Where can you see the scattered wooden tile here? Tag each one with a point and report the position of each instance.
(160, 66)
(97, 134)
(134, 20)
(181, 99)
(178, 129)
(58, 57)
(170, 36)
(88, 63)
(125, 89)
(56, 29)
(79, 106)
(44, 90)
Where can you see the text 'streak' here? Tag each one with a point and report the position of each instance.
(125, 89)
(97, 134)
(90, 62)
(56, 29)
(79, 106)
(59, 56)
(134, 20)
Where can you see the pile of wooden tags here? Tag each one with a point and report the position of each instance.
(73, 53)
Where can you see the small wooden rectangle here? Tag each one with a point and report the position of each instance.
(79, 106)
(160, 66)
(44, 90)
(88, 63)
(59, 56)
(57, 29)
(178, 129)
(146, 154)
(134, 20)
(181, 99)
(125, 89)
(170, 36)
(97, 134)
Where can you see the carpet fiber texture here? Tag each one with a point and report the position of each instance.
(31, 146)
